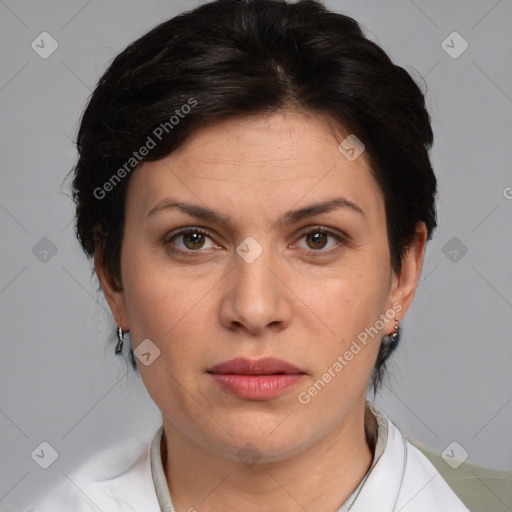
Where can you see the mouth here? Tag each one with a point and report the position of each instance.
(256, 379)
(264, 366)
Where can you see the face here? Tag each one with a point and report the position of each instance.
(258, 238)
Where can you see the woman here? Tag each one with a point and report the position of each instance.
(255, 188)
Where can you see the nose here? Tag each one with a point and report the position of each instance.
(256, 298)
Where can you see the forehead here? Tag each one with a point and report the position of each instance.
(261, 161)
(280, 142)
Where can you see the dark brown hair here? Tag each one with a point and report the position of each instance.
(230, 58)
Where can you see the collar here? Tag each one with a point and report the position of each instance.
(377, 439)
(159, 479)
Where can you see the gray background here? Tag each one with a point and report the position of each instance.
(451, 379)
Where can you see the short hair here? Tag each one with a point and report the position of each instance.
(232, 58)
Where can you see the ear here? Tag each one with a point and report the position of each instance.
(113, 291)
(404, 284)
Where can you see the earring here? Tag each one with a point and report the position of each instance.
(120, 337)
(395, 335)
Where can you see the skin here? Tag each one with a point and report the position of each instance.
(303, 300)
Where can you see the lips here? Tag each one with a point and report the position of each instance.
(256, 379)
(265, 366)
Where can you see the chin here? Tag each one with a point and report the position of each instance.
(270, 444)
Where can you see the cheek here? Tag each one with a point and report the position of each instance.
(344, 355)
(166, 308)
(169, 305)
(153, 290)
(349, 306)
(350, 298)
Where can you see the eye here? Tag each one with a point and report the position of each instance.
(319, 239)
(192, 240)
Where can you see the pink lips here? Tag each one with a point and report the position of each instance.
(256, 379)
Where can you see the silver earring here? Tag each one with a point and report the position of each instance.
(390, 340)
(120, 342)
(395, 335)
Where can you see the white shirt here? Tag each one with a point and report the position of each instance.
(400, 479)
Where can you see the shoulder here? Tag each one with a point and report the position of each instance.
(423, 487)
(404, 480)
(118, 479)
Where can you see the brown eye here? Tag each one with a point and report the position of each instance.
(316, 239)
(321, 241)
(190, 240)
(193, 240)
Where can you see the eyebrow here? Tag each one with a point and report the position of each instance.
(290, 217)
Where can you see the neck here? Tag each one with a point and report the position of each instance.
(318, 478)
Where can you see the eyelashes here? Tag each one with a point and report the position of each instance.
(194, 241)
